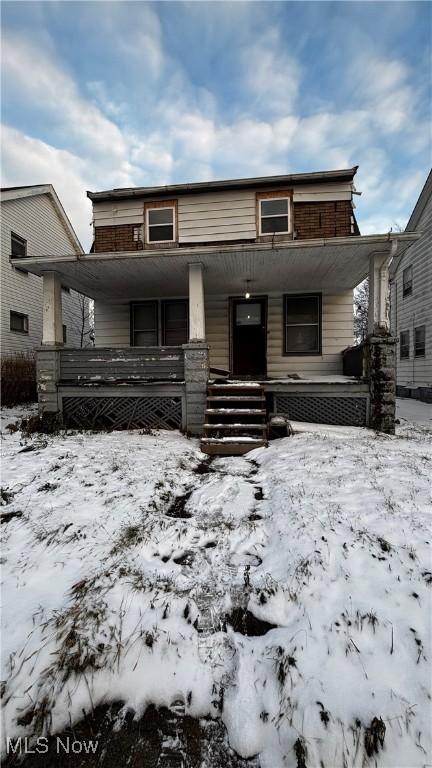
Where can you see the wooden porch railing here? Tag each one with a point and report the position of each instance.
(126, 365)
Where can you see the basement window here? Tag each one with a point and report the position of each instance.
(404, 345)
(274, 216)
(420, 341)
(302, 324)
(144, 324)
(160, 225)
(407, 278)
(64, 334)
(19, 322)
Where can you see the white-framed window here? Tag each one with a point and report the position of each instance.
(404, 345)
(274, 216)
(420, 341)
(18, 322)
(18, 246)
(407, 281)
(160, 225)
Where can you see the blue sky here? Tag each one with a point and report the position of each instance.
(98, 95)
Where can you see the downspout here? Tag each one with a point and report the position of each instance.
(384, 278)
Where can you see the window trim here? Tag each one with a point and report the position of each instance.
(25, 330)
(314, 353)
(261, 200)
(407, 291)
(404, 357)
(419, 328)
(152, 207)
(132, 331)
(164, 303)
(23, 241)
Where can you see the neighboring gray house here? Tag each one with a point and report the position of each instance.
(411, 304)
(34, 223)
(219, 304)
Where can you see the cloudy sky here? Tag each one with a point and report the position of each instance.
(98, 95)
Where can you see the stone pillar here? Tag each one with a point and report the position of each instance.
(52, 322)
(48, 375)
(196, 367)
(196, 303)
(380, 369)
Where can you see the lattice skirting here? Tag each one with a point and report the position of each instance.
(122, 412)
(344, 411)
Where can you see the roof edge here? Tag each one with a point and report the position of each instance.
(420, 205)
(346, 174)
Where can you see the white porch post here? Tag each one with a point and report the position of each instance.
(52, 322)
(196, 303)
(378, 316)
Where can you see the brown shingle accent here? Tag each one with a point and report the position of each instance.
(323, 219)
(117, 237)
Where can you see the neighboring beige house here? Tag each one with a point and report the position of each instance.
(411, 304)
(219, 304)
(34, 223)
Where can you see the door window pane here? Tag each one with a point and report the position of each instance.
(175, 323)
(248, 313)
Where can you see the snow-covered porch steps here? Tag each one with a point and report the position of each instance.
(235, 419)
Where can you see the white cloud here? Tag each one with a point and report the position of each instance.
(271, 74)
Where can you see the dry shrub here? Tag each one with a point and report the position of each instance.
(18, 379)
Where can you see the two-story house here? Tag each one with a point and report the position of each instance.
(218, 304)
(411, 304)
(34, 224)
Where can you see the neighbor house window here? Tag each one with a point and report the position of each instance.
(407, 278)
(65, 289)
(161, 225)
(302, 324)
(19, 322)
(64, 334)
(18, 246)
(274, 216)
(404, 345)
(420, 341)
(144, 324)
(175, 326)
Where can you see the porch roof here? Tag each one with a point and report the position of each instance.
(327, 265)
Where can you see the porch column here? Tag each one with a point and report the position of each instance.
(379, 300)
(52, 321)
(196, 303)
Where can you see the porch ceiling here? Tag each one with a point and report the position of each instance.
(329, 266)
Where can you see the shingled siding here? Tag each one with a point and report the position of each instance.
(118, 237)
(323, 219)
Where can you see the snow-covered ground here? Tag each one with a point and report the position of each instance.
(287, 592)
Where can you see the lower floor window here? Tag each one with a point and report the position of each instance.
(404, 344)
(165, 323)
(64, 334)
(420, 341)
(19, 322)
(302, 324)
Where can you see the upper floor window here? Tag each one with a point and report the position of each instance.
(19, 322)
(274, 216)
(407, 278)
(18, 246)
(161, 225)
(420, 341)
(302, 324)
(404, 344)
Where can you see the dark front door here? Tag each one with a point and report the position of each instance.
(249, 337)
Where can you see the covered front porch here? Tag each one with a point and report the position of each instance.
(121, 384)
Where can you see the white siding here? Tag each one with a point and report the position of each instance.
(112, 326)
(217, 216)
(118, 212)
(35, 219)
(409, 312)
